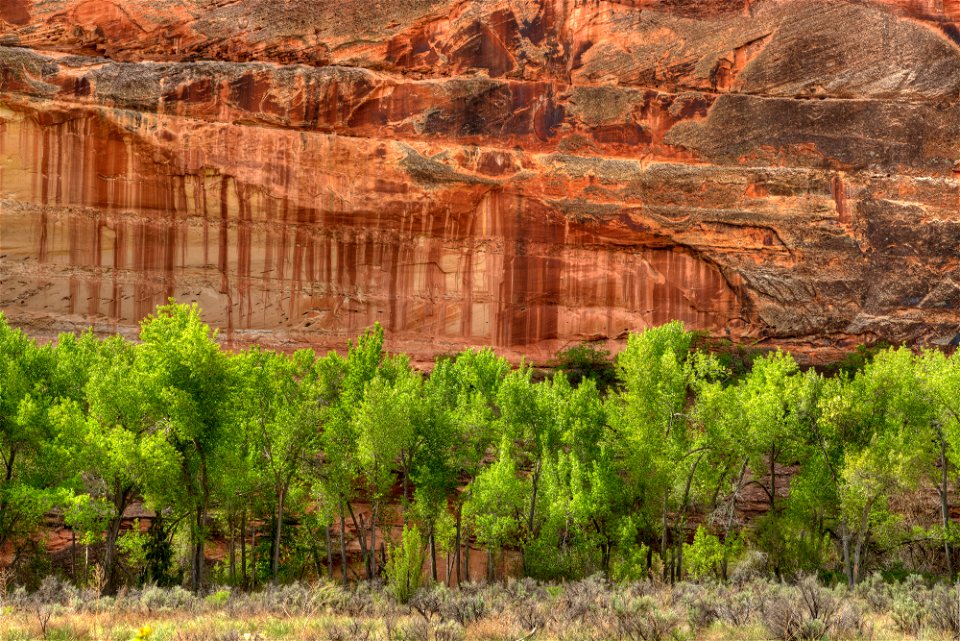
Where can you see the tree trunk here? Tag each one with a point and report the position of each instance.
(113, 532)
(317, 563)
(668, 564)
(605, 559)
(663, 540)
(7, 528)
(275, 559)
(490, 568)
(253, 557)
(448, 568)
(679, 556)
(73, 556)
(243, 547)
(196, 574)
(945, 506)
(329, 554)
(773, 479)
(433, 556)
(466, 561)
(373, 543)
(862, 537)
(360, 529)
(533, 498)
(231, 523)
(343, 544)
(196, 570)
(731, 514)
(364, 553)
(457, 554)
(405, 498)
(857, 550)
(680, 527)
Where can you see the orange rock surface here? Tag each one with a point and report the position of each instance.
(516, 173)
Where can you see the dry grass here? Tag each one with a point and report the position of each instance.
(590, 610)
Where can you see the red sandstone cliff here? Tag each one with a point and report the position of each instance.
(516, 173)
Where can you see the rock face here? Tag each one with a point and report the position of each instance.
(518, 173)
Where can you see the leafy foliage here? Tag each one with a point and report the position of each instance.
(405, 565)
(633, 469)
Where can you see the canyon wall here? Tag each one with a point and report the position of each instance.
(516, 173)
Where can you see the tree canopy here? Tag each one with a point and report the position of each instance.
(661, 462)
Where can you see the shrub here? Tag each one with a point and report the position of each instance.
(449, 631)
(528, 615)
(429, 602)
(749, 567)
(740, 606)
(292, 599)
(876, 592)
(546, 561)
(54, 591)
(807, 612)
(733, 606)
(405, 565)
(629, 563)
(702, 610)
(359, 631)
(218, 599)
(820, 603)
(906, 606)
(784, 621)
(907, 615)
(581, 600)
(361, 600)
(154, 599)
(850, 622)
(413, 630)
(525, 588)
(943, 609)
(464, 606)
(337, 632)
(352, 630)
(704, 557)
(133, 545)
(587, 360)
(643, 620)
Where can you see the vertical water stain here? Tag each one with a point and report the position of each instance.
(295, 239)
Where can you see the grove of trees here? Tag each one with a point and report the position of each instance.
(670, 461)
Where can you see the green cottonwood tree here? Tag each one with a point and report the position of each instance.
(528, 418)
(434, 469)
(346, 382)
(478, 376)
(939, 377)
(184, 375)
(772, 429)
(498, 502)
(388, 439)
(869, 436)
(281, 410)
(653, 434)
(110, 426)
(32, 465)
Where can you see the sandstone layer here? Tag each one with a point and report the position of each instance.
(517, 173)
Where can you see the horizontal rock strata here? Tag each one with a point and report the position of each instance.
(511, 173)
